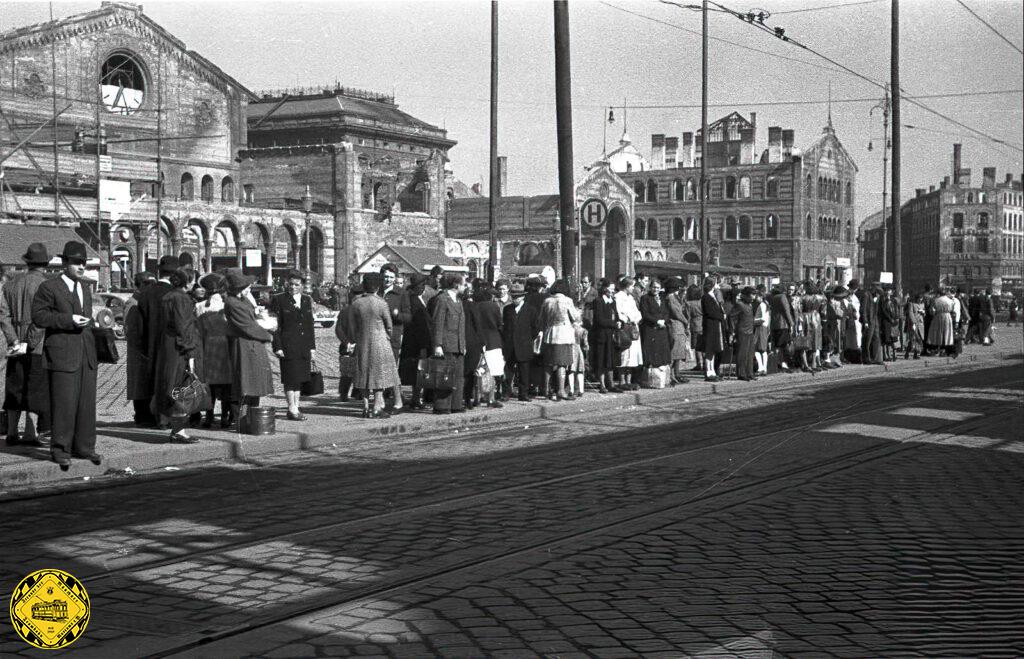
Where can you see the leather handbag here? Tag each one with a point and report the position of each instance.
(106, 345)
(634, 331)
(439, 375)
(190, 396)
(314, 386)
(622, 338)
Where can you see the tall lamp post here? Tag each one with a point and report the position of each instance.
(307, 207)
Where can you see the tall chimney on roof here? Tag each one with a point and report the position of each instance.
(988, 177)
(686, 157)
(671, 152)
(1009, 178)
(956, 163)
(658, 151)
(788, 138)
(945, 182)
(774, 144)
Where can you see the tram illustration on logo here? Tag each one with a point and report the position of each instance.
(55, 611)
(50, 609)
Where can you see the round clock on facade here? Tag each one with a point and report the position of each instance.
(122, 83)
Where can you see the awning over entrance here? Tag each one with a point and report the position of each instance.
(15, 239)
(409, 260)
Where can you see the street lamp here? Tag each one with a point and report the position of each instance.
(307, 206)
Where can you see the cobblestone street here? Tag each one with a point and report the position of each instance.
(862, 518)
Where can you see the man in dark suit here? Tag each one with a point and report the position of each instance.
(449, 334)
(151, 330)
(742, 317)
(781, 325)
(871, 338)
(714, 330)
(63, 308)
(520, 326)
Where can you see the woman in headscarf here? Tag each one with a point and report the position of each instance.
(369, 327)
(832, 334)
(248, 339)
(213, 330)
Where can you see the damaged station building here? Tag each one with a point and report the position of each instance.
(155, 150)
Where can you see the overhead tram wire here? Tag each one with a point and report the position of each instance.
(780, 33)
(683, 106)
(990, 26)
(838, 6)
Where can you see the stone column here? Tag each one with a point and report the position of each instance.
(208, 255)
(140, 252)
(238, 254)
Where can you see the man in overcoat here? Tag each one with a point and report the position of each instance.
(520, 326)
(714, 330)
(782, 324)
(449, 336)
(152, 322)
(63, 308)
(742, 314)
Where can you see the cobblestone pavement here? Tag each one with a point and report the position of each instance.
(855, 520)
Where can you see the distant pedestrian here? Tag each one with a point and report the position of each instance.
(520, 326)
(151, 310)
(631, 355)
(714, 330)
(62, 307)
(679, 327)
(742, 321)
(416, 341)
(27, 387)
(762, 320)
(914, 319)
(655, 336)
(558, 338)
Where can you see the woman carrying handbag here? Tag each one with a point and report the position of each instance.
(178, 359)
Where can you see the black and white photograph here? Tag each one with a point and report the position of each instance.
(512, 329)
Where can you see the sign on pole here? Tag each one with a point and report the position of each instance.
(593, 213)
(885, 278)
(115, 198)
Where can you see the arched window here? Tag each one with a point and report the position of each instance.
(188, 189)
(821, 187)
(849, 232)
(531, 254)
(730, 187)
(648, 256)
(821, 227)
(206, 188)
(809, 187)
(638, 190)
(771, 187)
(227, 189)
(771, 227)
(692, 229)
(809, 226)
(637, 256)
(981, 197)
(849, 193)
(652, 191)
(678, 228)
(678, 191)
(983, 220)
(731, 228)
(958, 220)
(639, 229)
(744, 227)
(691, 189)
(652, 229)
(744, 187)
(249, 193)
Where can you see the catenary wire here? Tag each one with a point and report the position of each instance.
(838, 6)
(989, 26)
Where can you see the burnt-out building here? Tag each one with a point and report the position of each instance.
(775, 209)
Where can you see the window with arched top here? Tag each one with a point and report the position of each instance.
(531, 254)
(821, 227)
(629, 166)
(691, 189)
(639, 229)
(652, 229)
(849, 193)
(771, 187)
(678, 228)
(692, 229)
(809, 186)
(637, 256)
(249, 193)
(227, 189)
(731, 228)
(970, 197)
(809, 226)
(188, 190)
(744, 187)
(849, 232)
(771, 227)
(678, 190)
(639, 191)
(745, 228)
(648, 256)
(206, 188)
(983, 220)
(652, 191)
(730, 187)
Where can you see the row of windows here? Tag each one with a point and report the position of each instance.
(958, 243)
(828, 228)
(981, 220)
(978, 271)
(689, 229)
(1013, 245)
(1013, 221)
(1012, 199)
(729, 187)
(829, 189)
(187, 190)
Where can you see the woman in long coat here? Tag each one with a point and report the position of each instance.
(604, 357)
(294, 342)
(488, 325)
(369, 327)
(213, 330)
(474, 349)
(678, 327)
(655, 339)
(631, 357)
(941, 330)
(557, 316)
(136, 363)
(416, 340)
(832, 334)
(914, 315)
(176, 356)
(696, 326)
(247, 346)
(889, 323)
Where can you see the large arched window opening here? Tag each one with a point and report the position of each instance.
(849, 193)
(122, 83)
(188, 189)
(639, 229)
(652, 229)
(652, 191)
(227, 189)
(771, 227)
(771, 187)
(249, 193)
(745, 228)
(730, 187)
(206, 188)
(638, 190)
(678, 228)
(731, 228)
(678, 190)
(691, 189)
(692, 229)
(849, 232)
(531, 254)
(809, 186)
(744, 187)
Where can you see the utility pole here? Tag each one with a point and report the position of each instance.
(495, 191)
(894, 61)
(100, 140)
(884, 107)
(703, 140)
(56, 156)
(563, 112)
(159, 153)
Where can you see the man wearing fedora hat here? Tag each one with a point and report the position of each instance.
(151, 316)
(63, 308)
(27, 385)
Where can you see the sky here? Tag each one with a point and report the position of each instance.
(434, 55)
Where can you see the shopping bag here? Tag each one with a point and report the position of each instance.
(346, 366)
(484, 378)
(314, 386)
(495, 361)
(656, 377)
(106, 345)
(190, 396)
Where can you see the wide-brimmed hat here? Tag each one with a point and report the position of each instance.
(167, 264)
(840, 292)
(74, 251)
(212, 282)
(238, 281)
(36, 255)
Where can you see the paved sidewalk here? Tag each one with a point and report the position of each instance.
(128, 450)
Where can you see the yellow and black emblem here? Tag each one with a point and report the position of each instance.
(50, 609)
